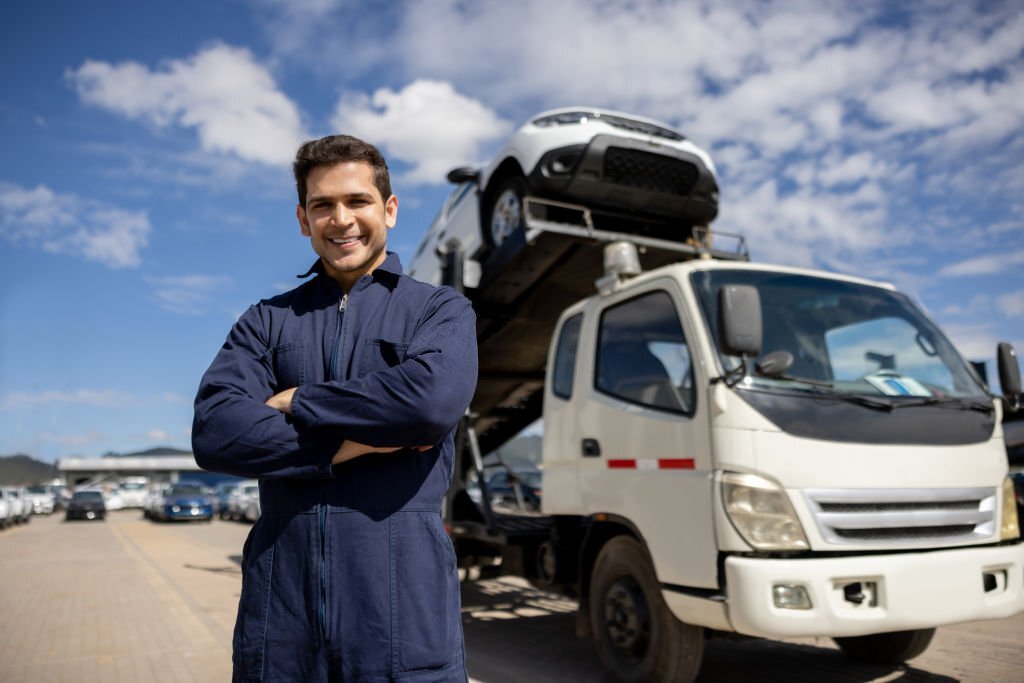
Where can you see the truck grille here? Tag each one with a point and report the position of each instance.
(905, 517)
(648, 171)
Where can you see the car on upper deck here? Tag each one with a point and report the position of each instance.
(631, 174)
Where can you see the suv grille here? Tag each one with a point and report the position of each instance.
(649, 171)
(905, 517)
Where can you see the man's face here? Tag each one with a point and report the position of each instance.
(346, 219)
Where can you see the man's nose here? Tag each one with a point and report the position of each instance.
(341, 214)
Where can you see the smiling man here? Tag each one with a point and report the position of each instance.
(342, 396)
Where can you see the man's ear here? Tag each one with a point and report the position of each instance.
(391, 211)
(300, 213)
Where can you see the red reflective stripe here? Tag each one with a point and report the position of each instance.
(675, 464)
(622, 464)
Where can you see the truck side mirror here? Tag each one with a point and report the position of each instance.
(739, 320)
(463, 174)
(1009, 374)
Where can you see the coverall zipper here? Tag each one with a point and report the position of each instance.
(322, 508)
(322, 512)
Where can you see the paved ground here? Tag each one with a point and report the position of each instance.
(130, 600)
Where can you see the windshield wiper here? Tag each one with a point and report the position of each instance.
(828, 390)
(951, 401)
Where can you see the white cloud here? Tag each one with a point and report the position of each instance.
(68, 224)
(101, 398)
(81, 439)
(1012, 305)
(158, 435)
(222, 92)
(989, 264)
(426, 124)
(90, 397)
(186, 294)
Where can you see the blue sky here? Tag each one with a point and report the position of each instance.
(146, 197)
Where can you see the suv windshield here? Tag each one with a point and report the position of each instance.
(184, 490)
(852, 338)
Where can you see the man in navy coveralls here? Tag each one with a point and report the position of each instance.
(342, 396)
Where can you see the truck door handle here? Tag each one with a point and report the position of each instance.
(591, 448)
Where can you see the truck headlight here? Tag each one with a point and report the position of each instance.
(1011, 525)
(762, 513)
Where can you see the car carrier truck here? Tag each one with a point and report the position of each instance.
(728, 446)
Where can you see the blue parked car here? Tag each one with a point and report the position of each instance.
(185, 501)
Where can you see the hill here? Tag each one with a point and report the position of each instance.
(22, 470)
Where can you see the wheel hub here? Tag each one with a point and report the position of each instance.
(507, 215)
(627, 617)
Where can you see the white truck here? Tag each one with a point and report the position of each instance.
(734, 447)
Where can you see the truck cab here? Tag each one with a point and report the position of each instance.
(776, 452)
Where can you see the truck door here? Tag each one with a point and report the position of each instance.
(644, 448)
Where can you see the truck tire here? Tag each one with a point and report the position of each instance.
(886, 648)
(505, 212)
(636, 635)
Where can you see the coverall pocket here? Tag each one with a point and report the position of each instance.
(381, 354)
(427, 631)
(289, 364)
(249, 642)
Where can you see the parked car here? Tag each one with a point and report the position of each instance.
(238, 500)
(86, 504)
(20, 507)
(41, 500)
(252, 510)
(633, 174)
(154, 498)
(133, 491)
(5, 510)
(112, 497)
(185, 501)
(223, 492)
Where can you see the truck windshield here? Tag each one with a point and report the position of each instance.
(845, 337)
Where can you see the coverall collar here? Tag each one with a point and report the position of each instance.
(388, 271)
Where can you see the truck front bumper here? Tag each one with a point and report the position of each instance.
(852, 596)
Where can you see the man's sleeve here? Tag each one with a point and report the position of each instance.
(235, 432)
(415, 403)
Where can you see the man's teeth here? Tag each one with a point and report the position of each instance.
(346, 240)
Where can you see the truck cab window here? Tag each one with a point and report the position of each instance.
(565, 357)
(643, 356)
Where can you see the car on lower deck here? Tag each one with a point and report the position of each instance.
(632, 174)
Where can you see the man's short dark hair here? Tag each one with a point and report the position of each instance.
(338, 149)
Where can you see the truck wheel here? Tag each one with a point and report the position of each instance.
(505, 213)
(637, 636)
(886, 648)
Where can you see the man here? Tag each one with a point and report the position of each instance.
(342, 396)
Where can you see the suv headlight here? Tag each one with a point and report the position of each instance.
(762, 513)
(1010, 529)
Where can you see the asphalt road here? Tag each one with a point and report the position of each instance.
(132, 600)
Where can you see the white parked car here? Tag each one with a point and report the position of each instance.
(239, 499)
(5, 510)
(19, 507)
(133, 492)
(631, 173)
(41, 499)
(154, 498)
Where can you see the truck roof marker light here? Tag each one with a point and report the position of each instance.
(621, 261)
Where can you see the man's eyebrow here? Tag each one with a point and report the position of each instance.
(349, 196)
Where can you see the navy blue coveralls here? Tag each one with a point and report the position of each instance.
(348, 575)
